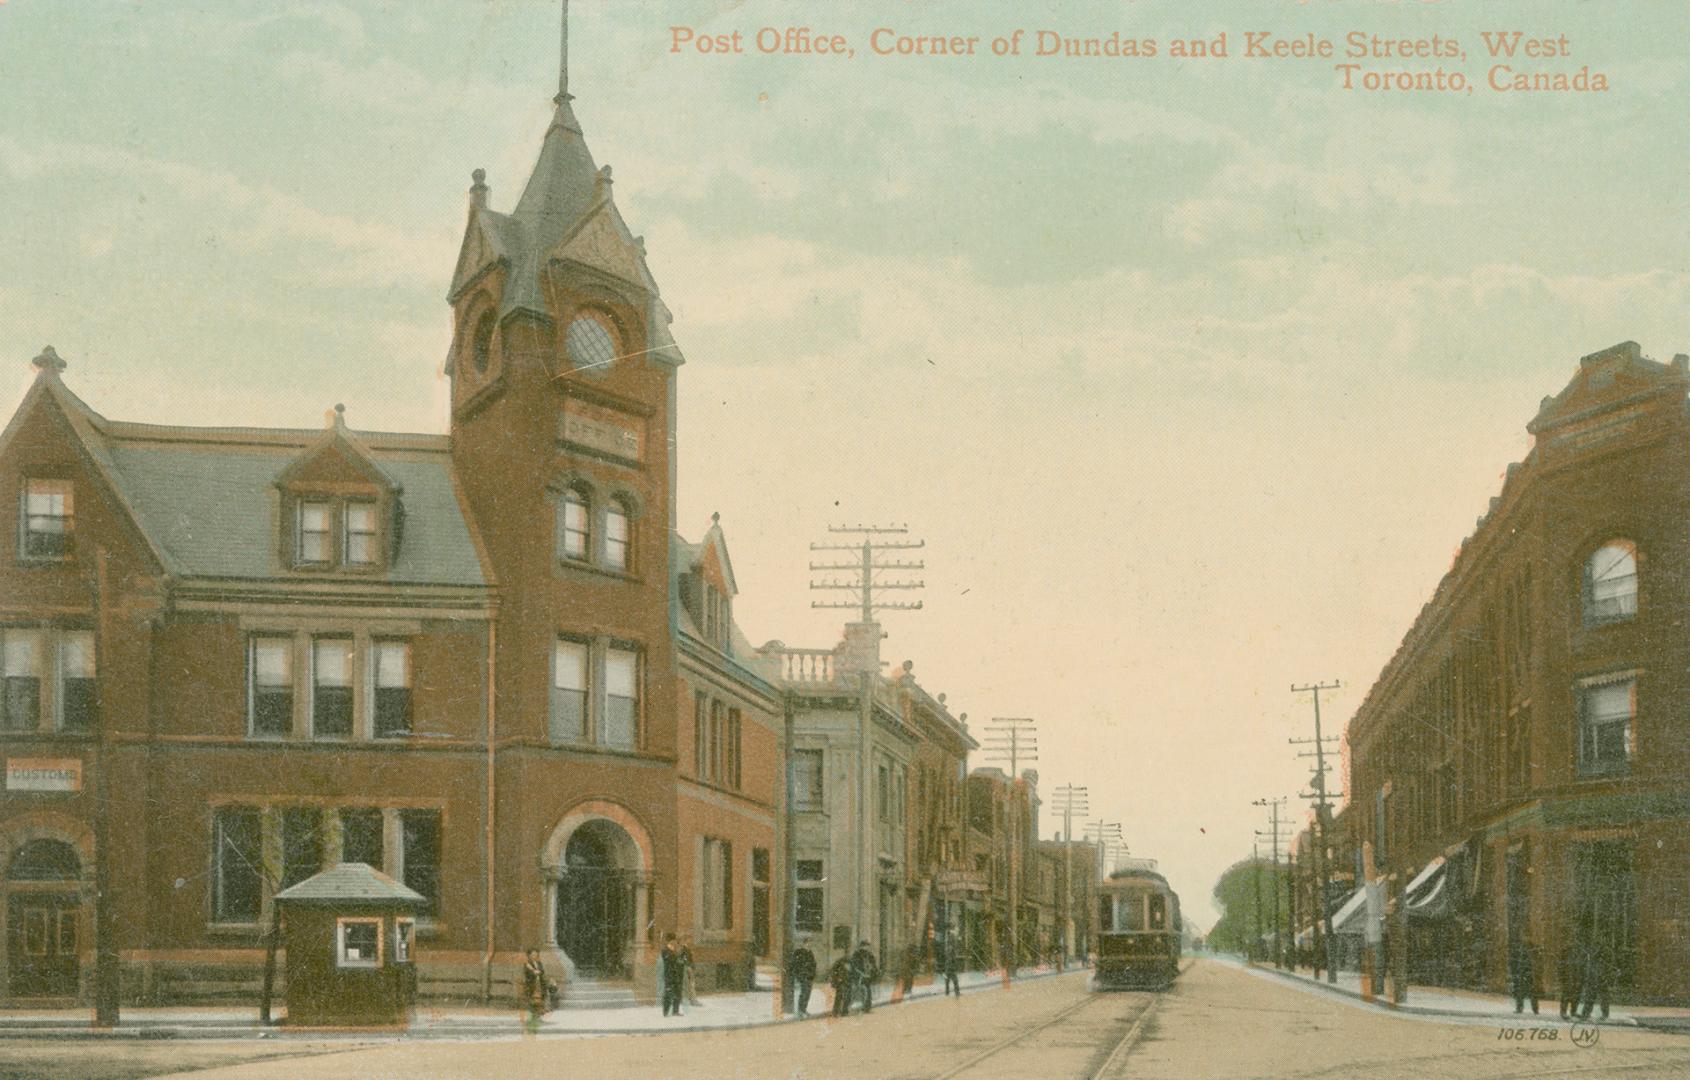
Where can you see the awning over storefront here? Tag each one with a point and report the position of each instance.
(1428, 894)
(1351, 917)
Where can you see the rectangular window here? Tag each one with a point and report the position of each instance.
(809, 915)
(718, 884)
(701, 736)
(360, 534)
(569, 691)
(716, 741)
(331, 688)
(883, 792)
(361, 836)
(807, 780)
(237, 881)
(393, 688)
(732, 776)
(727, 885)
(20, 709)
(622, 697)
(359, 943)
(302, 844)
(420, 830)
(48, 519)
(1606, 711)
(76, 681)
(572, 525)
(616, 537)
(270, 686)
(312, 541)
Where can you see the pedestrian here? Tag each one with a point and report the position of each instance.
(688, 981)
(1593, 979)
(536, 989)
(1567, 980)
(839, 979)
(671, 975)
(801, 969)
(1522, 974)
(948, 963)
(864, 973)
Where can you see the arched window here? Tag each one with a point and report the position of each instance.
(618, 534)
(1610, 582)
(45, 860)
(589, 343)
(483, 347)
(574, 533)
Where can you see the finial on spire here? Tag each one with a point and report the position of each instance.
(563, 58)
(338, 417)
(49, 361)
(716, 518)
(478, 187)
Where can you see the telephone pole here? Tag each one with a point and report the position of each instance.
(1255, 943)
(1107, 836)
(1278, 940)
(862, 654)
(1069, 800)
(1013, 739)
(1322, 820)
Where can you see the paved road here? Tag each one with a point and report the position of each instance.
(1219, 1021)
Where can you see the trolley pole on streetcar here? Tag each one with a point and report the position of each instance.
(1322, 820)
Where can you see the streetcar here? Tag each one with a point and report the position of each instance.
(1138, 940)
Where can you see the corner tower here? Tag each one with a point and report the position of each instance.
(562, 427)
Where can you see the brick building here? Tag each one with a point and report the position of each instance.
(472, 659)
(1522, 764)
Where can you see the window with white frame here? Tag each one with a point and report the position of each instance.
(46, 528)
(617, 533)
(270, 686)
(358, 943)
(718, 883)
(361, 534)
(315, 530)
(1607, 709)
(810, 898)
(20, 706)
(331, 688)
(1610, 582)
(574, 531)
(569, 691)
(392, 679)
(622, 698)
(237, 880)
(77, 685)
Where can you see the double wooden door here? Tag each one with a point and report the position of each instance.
(42, 944)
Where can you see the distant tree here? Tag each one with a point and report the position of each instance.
(1235, 898)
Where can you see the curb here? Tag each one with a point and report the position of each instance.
(512, 1030)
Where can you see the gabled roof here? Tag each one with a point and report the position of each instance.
(204, 498)
(350, 883)
(1614, 377)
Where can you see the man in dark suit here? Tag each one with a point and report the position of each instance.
(801, 969)
(865, 970)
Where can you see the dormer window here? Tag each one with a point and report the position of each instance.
(360, 534)
(47, 520)
(315, 528)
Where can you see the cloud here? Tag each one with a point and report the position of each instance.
(340, 248)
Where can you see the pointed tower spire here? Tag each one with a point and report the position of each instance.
(563, 59)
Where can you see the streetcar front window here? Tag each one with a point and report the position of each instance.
(1158, 911)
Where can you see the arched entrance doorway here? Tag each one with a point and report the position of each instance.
(598, 874)
(43, 920)
(595, 902)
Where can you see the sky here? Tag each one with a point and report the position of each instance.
(1191, 373)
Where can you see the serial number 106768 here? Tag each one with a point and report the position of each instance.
(1524, 1034)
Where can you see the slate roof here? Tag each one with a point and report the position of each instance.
(350, 883)
(205, 497)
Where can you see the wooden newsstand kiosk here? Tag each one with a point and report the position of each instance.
(350, 932)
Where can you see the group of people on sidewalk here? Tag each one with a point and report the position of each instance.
(1583, 976)
(852, 977)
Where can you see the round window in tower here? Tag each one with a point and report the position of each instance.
(589, 343)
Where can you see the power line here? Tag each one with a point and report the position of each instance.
(1322, 818)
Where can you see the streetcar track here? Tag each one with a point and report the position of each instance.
(1091, 999)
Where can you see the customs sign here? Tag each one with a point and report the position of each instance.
(43, 774)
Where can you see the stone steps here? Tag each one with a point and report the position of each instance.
(594, 994)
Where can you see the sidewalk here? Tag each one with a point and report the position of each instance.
(1471, 1004)
(715, 1012)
